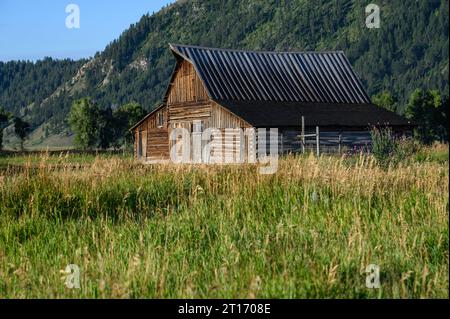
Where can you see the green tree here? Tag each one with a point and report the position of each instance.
(105, 128)
(4, 118)
(22, 130)
(430, 111)
(441, 119)
(386, 100)
(124, 118)
(83, 122)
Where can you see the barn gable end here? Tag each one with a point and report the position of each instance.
(185, 101)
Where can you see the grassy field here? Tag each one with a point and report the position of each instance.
(63, 158)
(168, 231)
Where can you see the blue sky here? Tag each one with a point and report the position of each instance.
(31, 30)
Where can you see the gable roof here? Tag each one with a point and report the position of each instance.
(306, 77)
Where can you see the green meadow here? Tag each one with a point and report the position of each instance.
(185, 231)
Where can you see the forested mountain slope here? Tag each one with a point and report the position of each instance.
(409, 51)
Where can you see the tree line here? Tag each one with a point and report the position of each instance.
(427, 108)
(94, 127)
(102, 128)
(25, 85)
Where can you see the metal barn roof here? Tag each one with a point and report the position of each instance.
(307, 77)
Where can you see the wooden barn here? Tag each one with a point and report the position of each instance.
(234, 89)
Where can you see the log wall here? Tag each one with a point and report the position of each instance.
(329, 140)
(154, 134)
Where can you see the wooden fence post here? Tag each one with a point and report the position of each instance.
(340, 142)
(303, 134)
(318, 141)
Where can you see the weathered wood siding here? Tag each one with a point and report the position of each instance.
(331, 140)
(153, 121)
(186, 86)
(188, 101)
(222, 118)
(158, 144)
(183, 116)
(155, 138)
(189, 112)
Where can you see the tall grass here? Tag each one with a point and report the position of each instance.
(308, 231)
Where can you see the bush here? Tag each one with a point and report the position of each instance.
(386, 148)
(405, 148)
(383, 144)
